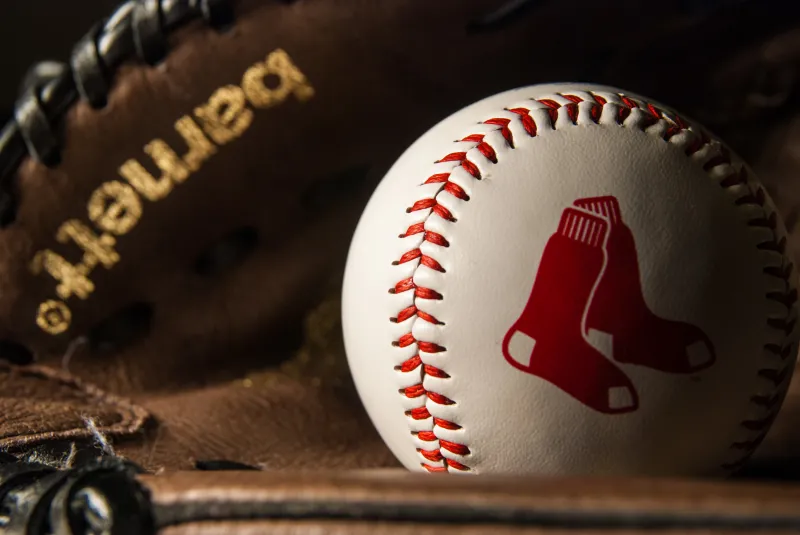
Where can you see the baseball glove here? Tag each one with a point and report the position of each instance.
(176, 202)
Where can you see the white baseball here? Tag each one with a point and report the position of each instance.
(569, 279)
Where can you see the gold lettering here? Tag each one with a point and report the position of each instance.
(290, 80)
(96, 248)
(72, 279)
(200, 148)
(172, 169)
(150, 187)
(115, 207)
(53, 317)
(225, 117)
(166, 160)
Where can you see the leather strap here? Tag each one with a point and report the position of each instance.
(110, 496)
(148, 33)
(389, 499)
(138, 29)
(99, 496)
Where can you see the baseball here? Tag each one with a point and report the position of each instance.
(570, 279)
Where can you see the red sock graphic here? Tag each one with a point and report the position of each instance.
(548, 338)
(619, 309)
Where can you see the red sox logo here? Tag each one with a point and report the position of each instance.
(589, 279)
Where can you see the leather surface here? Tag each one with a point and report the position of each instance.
(42, 403)
(393, 502)
(357, 528)
(239, 360)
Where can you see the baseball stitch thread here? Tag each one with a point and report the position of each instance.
(753, 196)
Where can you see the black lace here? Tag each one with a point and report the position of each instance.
(97, 496)
(138, 29)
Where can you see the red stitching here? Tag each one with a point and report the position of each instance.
(622, 114)
(406, 340)
(416, 228)
(471, 168)
(552, 110)
(430, 468)
(405, 314)
(456, 191)
(427, 293)
(504, 130)
(413, 391)
(426, 436)
(420, 413)
(440, 399)
(572, 112)
(630, 103)
(436, 239)
(672, 131)
(431, 455)
(446, 424)
(621, 110)
(429, 347)
(454, 157)
(595, 112)
(423, 259)
(551, 104)
(435, 179)
(411, 364)
(458, 449)
(411, 255)
(527, 121)
(423, 204)
(403, 286)
(435, 372)
(412, 311)
(457, 465)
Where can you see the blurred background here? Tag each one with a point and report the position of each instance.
(694, 55)
(37, 30)
(687, 36)
(733, 65)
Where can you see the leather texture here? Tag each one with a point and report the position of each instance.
(496, 204)
(214, 341)
(114, 497)
(402, 502)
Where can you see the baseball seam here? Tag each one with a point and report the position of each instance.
(440, 455)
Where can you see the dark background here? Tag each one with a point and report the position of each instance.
(38, 30)
(733, 65)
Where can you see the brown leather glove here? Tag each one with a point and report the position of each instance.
(177, 206)
(107, 497)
